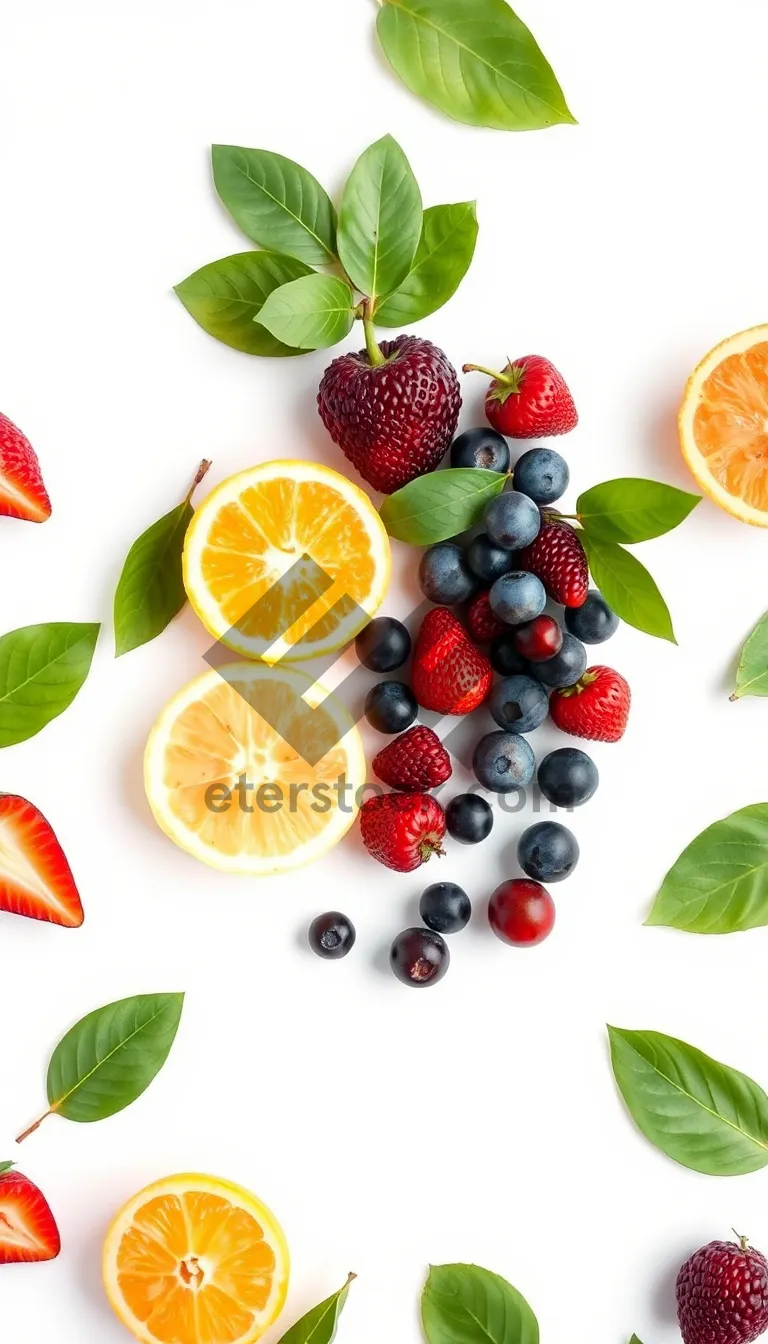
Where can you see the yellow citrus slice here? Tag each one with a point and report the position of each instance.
(196, 1260)
(286, 559)
(724, 425)
(254, 769)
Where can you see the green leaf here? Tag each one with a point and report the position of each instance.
(380, 220)
(476, 62)
(464, 1304)
(226, 297)
(632, 509)
(5, 1167)
(628, 588)
(311, 313)
(319, 1324)
(443, 257)
(634, 1340)
(719, 884)
(440, 504)
(752, 672)
(276, 202)
(42, 668)
(699, 1112)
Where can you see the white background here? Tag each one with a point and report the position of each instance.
(387, 1129)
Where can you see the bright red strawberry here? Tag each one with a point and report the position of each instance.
(529, 400)
(722, 1294)
(483, 626)
(597, 707)
(28, 1231)
(35, 878)
(449, 674)
(557, 557)
(414, 761)
(393, 420)
(22, 492)
(402, 830)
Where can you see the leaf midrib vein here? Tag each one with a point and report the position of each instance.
(57, 1105)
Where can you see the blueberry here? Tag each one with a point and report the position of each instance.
(469, 819)
(445, 907)
(512, 520)
(505, 658)
(383, 645)
(332, 935)
(565, 667)
(517, 597)
(419, 957)
(568, 777)
(487, 560)
(518, 704)
(390, 706)
(445, 576)
(542, 475)
(503, 762)
(548, 851)
(480, 448)
(593, 622)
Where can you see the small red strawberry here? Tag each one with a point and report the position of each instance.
(22, 492)
(449, 674)
(529, 400)
(35, 878)
(395, 419)
(722, 1294)
(28, 1231)
(483, 626)
(402, 830)
(414, 761)
(556, 556)
(597, 707)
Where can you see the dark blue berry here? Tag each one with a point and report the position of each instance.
(419, 957)
(445, 576)
(565, 667)
(593, 622)
(505, 658)
(480, 448)
(518, 704)
(503, 762)
(390, 706)
(487, 560)
(542, 475)
(548, 851)
(332, 935)
(517, 597)
(512, 520)
(468, 818)
(568, 777)
(383, 645)
(445, 907)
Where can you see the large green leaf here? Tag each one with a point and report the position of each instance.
(699, 1112)
(475, 61)
(276, 202)
(464, 1304)
(311, 313)
(440, 504)
(719, 884)
(42, 668)
(225, 298)
(380, 220)
(443, 257)
(752, 672)
(627, 587)
(631, 509)
(319, 1324)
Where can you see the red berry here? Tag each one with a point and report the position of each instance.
(557, 558)
(722, 1294)
(597, 707)
(402, 830)
(483, 626)
(414, 761)
(521, 912)
(22, 492)
(529, 400)
(394, 421)
(28, 1231)
(449, 674)
(539, 639)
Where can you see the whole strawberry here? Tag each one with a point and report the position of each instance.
(557, 557)
(483, 626)
(414, 761)
(449, 674)
(597, 707)
(529, 400)
(722, 1294)
(394, 420)
(22, 492)
(402, 830)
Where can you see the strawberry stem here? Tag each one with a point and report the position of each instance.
(32, 1128)
(480, 368)
(371, 344)
(202, 472)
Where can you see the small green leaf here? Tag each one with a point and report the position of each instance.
(631, 509)
(311, 313)
(42, 668)
(752, 672)
(319, 1324)
(464, 1304)
(443, 257)
(276, 202)
(5, 1167)
(634, 1340)
(719, 884)
(380, 220)
(477, 62)
(628, 588)
(699, 1112)
(440, 504)
(226, 297)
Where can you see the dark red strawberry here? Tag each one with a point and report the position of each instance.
(393, 420)
(722, 1294)
(22, 492)
(414, 761)
(449, 674)
(35, 878)
(529, 400)
(597, 707)
(557, 558)
(28, 1231)
(483, 626)
(402, 830)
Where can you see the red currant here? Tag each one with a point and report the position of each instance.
(539, 639)
(521, 912)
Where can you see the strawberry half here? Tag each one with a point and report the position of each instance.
(22, 492)
(28, 1231)
(35, 878)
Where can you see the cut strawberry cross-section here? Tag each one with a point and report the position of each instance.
(28, 1231)
(35, 878)
(22, 491)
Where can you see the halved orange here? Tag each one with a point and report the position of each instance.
(724, 425)
(286, 559)
(196, 1260)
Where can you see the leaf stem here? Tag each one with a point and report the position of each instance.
(371, 344)
(202, 472)
(32, 1128)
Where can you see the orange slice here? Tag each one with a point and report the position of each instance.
(196, 1260)
(724, 425)
(286, 559)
